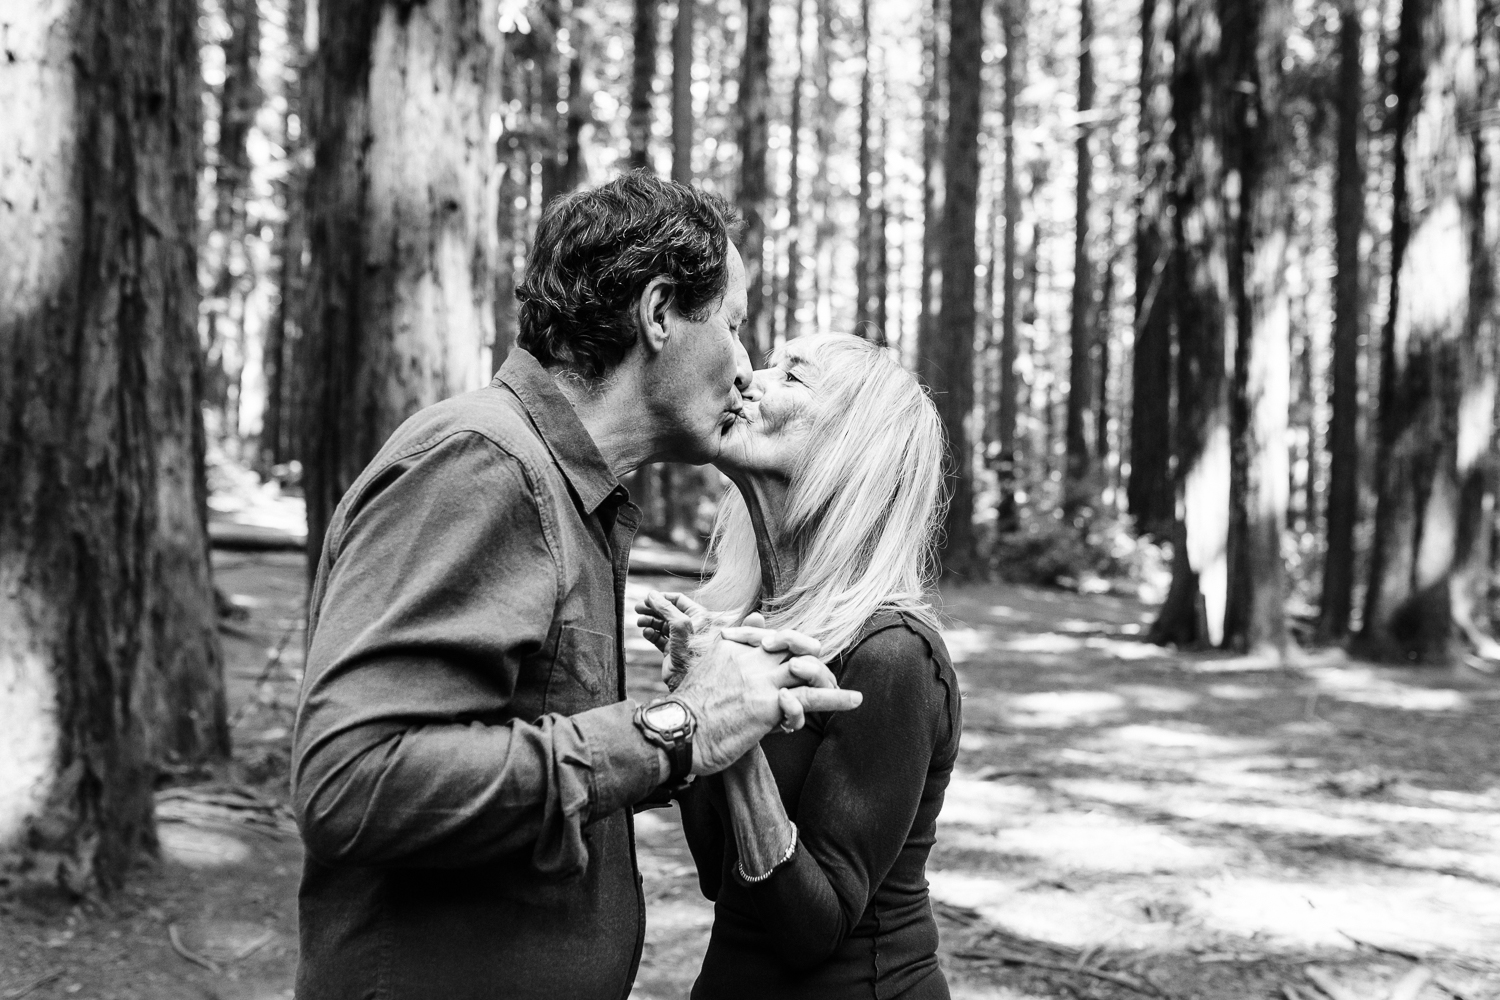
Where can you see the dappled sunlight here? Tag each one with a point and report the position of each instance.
(1154, 698)
(1366, 686)
(1054, 911)
(1238, 692)
(965, 643)
(986, 804)
(1179, 738)
(1097, 841)
(1057, 709)
(1413, 911)
(196, 847)
(1043, 642)
(1266, 816)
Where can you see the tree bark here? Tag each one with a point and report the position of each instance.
(682, 93)
(794, 185)
(1205, 316)
(1007, 514)
(1079, 488)
(933, 121)
(240, 99)
(864, 263)
(402, 226)
(551, 126)
(1150, 492)
(278, 428)
(949, 371)
(1255, 34)
(642, 80)
(1436, 392)
(108, 650)
(754, 135)
(1343, 426)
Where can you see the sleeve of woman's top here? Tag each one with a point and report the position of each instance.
(703, 826)
(860, 798)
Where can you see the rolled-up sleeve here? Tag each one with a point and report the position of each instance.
(408, 752)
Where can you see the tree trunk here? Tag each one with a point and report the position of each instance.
(108, 650)
(794, 185)
(1079, 488)
(551, 126)
(1150, 492)
(1007, 515)
(402, 231)
(1343, 426)
(1257, 147)
(239, 100)
(516, 154)
(950, 369)
(933, 119)
(642, 80)
(864, 263)
(1205, 315)
(1436, 393)
(754, 135)
(574, 168)
(277, 427)
(682, 93)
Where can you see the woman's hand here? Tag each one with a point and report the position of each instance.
(669, 622)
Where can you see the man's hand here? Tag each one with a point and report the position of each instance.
(740, 692)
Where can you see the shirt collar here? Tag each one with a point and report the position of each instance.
(557, 422)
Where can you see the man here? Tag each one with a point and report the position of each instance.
(464, 761)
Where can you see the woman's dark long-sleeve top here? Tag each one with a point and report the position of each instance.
(848, 915)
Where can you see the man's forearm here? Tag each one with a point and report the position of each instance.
(453, 795)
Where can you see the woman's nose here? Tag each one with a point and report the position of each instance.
(757, 387)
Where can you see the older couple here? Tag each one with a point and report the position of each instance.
(466, 762)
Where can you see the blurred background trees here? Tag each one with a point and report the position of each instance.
(1203, 289)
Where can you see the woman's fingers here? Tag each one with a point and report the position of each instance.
(754, 620)
(811, 671)
(791, 641)
(793, 716)
(815, 699)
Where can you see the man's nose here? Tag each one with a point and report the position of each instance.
(744, 375)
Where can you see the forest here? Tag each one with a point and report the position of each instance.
(1204, 291)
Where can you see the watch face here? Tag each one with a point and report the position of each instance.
(667, 717)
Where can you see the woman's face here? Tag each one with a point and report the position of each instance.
(774, 430)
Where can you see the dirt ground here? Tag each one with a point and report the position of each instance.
(1125, 821)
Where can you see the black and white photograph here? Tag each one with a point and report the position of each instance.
(749, 500)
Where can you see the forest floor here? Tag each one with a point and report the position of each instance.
(1125, 821)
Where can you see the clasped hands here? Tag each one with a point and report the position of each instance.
(741, 681)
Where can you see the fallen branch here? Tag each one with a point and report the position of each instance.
(1330, 986)
(192, 956)
(1145, 987)
(43, 980)
(1410, 956)
(255, 945)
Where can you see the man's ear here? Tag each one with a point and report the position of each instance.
(651, 313)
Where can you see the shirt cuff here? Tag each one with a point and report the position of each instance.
(624, 768)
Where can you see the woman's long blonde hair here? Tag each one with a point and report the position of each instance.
(862, 508)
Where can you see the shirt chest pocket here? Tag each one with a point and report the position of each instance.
(583, 671)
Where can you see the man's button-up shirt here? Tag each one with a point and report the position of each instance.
(464, 758)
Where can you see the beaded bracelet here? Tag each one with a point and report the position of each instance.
(739, 866)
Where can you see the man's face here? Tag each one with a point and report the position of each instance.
(700, 372)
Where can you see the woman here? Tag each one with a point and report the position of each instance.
(813, 846)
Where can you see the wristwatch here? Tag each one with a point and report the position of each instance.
(669, 723)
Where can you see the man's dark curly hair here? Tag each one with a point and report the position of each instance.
(595, 252)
